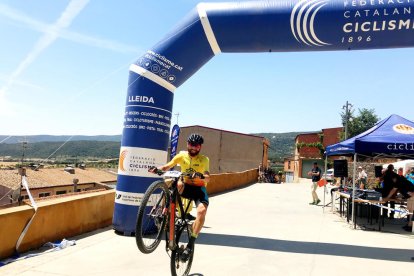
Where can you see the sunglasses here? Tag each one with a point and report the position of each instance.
(194, 145)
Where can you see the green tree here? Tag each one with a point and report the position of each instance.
(360, 123)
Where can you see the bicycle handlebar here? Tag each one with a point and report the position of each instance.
(155, 170)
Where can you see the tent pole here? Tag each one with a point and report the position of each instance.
(353, 190)
(324, 187)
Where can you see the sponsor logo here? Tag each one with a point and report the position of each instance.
(340, 148)
(366, 19)
(302, 22)
(136, 161)
(403, 129)
(122, 158)
(134, 199)
(401, 147)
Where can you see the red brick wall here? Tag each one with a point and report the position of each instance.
(331, 136)
(309, 152)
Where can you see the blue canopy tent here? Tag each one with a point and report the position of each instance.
(391, 137)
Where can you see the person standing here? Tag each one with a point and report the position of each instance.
(316, 176)
(362, 178)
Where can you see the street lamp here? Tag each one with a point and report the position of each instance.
(347, 108)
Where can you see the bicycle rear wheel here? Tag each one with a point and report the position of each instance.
(152, 217)
(179, 267)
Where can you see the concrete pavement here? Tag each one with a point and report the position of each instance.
(263, 229)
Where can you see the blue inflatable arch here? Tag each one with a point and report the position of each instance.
(212, 28)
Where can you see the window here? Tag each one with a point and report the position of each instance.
(44, 194)
(60, 192)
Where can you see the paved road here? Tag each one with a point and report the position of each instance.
(263, 229)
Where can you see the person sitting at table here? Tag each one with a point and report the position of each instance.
(387, 186)
(410, 176)
(406, 189)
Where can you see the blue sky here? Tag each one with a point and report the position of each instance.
(64, 70)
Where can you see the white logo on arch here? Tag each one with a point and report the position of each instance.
(302, 21)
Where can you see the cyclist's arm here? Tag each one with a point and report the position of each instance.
(166, 167)
(170, 164)
(206, 179)
(206, 173)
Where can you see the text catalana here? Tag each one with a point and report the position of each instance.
(375, 15)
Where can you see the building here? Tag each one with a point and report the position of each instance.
(52, 182)
(309, 148)
(228, 151)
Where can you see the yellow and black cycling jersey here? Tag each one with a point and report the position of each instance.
(188, 164)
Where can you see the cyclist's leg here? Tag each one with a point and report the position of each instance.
(201, 217)
(186, 201)
(201, 200)
(196, 228)
(200, 197)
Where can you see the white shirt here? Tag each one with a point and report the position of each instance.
(362, 174)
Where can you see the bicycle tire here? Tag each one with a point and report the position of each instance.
(151, 219)
(178, 267)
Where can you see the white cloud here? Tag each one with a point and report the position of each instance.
(66, 34)
(65, 19)
(5, 78)
(7, 109)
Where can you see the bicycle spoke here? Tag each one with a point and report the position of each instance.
(178, 266)
(152, 217)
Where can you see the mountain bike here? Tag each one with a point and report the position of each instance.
(158, 214)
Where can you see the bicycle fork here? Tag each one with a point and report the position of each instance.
(171, 238)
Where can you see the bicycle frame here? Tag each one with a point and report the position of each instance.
(157, 214)
(175, 198)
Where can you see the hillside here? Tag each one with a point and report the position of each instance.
(57, 138)
(107, 146)
(281, 144)
(75, 149)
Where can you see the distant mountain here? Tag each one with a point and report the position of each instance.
(72, 149)
(282, 145)
(107, 146)
(58, 138)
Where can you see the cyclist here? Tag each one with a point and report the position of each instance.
(194, 187)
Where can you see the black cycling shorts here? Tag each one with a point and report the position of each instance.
(196, 193)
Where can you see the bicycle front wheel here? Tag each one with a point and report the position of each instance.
(152, 217)
(178, 266)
